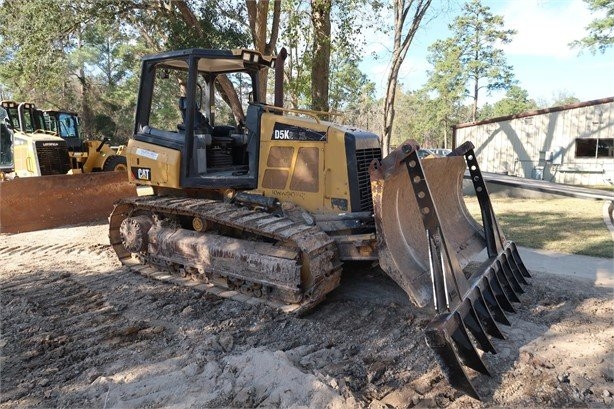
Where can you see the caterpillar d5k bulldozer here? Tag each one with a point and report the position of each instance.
(36, 191)
(268, 202)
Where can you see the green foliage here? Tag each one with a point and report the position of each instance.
(516, 101)
(447, 77)
(601, 29)
(350, 19)
(346, 81)
(221, 26)
(471, 58)
(414, 118)
(363, 110)
(84, 56)
(564, 98)
(422, 117)
(447, 82)
(34, 66)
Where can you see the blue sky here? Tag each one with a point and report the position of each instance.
(543, 63)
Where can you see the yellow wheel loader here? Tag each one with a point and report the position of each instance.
(40, 194)
(268, 203)
(86, 155)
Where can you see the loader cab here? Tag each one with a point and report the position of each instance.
(66, 125)
(197, 120)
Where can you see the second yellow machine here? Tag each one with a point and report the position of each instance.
(269, 202)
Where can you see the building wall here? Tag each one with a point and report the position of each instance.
(544, 144)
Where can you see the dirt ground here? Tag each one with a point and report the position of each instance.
(79, 330)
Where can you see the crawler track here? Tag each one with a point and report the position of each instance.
(252, 256)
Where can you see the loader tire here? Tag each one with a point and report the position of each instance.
(115, 163)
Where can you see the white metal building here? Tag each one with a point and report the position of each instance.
(571, 144)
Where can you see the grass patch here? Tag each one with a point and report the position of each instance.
(565, 225)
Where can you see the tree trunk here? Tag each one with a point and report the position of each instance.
(400, 47)
(257, 12)
(228, 93)
(320, 70)
(474, 108)
(86, 111)
(391, 91)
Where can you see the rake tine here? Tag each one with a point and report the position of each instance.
(515, 269)
(495, 284)
(492, 303)
(506, 286)
(468, 355)
(440, 342)
(509, 273)
(472, 322)
(518, 260)
(486, 317)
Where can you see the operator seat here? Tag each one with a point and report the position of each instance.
(201, 122)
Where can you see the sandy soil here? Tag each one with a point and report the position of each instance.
(79, 330)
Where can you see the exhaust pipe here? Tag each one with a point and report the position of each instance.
(279, 77)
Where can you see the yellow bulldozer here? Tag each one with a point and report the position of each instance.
(48, 143)
(269, 202)
(35, 151)
(37, 187)
(7, 165)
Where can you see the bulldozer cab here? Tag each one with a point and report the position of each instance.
(196, 108)
(12, 118)
(6, 144)
(30, 119)
(36, 150)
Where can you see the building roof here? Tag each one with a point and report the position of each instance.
(536, 112)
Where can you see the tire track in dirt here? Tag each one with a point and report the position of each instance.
(51, 337)
(64, 330)
(59, 326)
(67, 249)
(80, 330)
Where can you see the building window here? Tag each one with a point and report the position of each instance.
(595, 148)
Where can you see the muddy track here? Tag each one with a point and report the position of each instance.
(274, 274)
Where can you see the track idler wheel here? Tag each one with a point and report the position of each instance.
(134, 233)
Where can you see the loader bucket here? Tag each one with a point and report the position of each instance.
(43, 202)
(432, 247)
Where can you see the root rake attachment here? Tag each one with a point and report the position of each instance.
(469, 307)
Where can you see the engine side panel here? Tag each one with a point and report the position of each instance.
(153, 165)
(319, 166)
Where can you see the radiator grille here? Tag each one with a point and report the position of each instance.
(363, 160)
(52, 157)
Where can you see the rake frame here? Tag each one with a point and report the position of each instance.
(465, 303)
